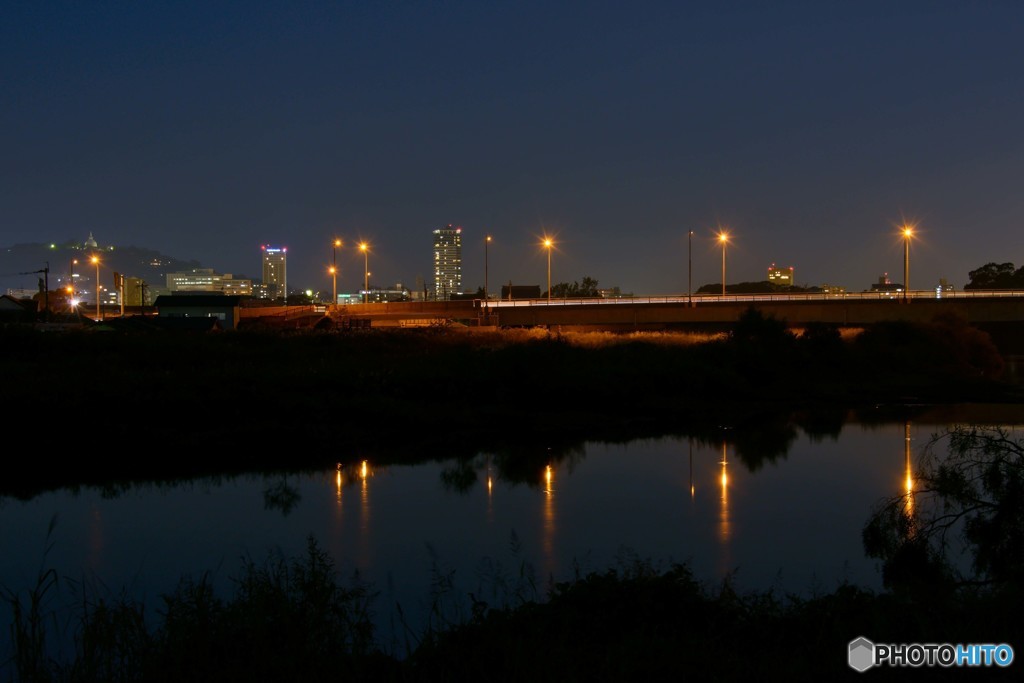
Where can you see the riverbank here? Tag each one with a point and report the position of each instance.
(163, 406)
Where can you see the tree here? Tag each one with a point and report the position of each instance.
(995, 276)
(971, 496)
(577, 290)
(299, 299)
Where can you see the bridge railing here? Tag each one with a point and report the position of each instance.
(705, 299)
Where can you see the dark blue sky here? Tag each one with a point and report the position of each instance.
(810, 130)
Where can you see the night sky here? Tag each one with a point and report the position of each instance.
(809, 130)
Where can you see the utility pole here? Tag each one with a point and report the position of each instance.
(142, 305)
(689, 269)
(46, 287)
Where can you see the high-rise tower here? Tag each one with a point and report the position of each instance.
(447, 261)
(275, 272)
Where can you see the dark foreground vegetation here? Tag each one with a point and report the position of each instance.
(185, 406)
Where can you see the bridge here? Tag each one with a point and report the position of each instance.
(680, 312)
(997, 312)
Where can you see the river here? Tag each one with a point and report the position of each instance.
(426, 536)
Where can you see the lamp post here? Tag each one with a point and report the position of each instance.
(689, 268)
(723, 237)
(334, 269)
(548, 244)
(487, 243)
(907, 234)
(71, 277)
(96, 261)
(365, 248)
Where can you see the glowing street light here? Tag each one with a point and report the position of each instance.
(334, 268)
(96, 261)
(908, 232)
(689, 268)
(547, 245)
(365, 248)
(487, 242)
(723, 237)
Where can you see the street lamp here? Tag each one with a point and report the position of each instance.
(96, 261)
(908, 232)
(723, 237)
(365, 248)
(487, 242)
(334, 268)
(548, 244)
(689, 268)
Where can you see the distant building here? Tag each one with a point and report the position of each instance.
(206, 280)
(275, 272)
(16, 310)
(377, 295)
(225, 309)
(833, 289)
(447, 261)
(137, 292)
(884, 284)
(780, 276)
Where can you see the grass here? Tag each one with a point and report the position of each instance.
(297, 619)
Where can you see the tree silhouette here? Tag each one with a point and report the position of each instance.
(968, 496)
(996, 276)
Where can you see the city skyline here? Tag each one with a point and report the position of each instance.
(812, 132)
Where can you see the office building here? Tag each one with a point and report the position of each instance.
(447, 262)
(207, 281)
(275, 272)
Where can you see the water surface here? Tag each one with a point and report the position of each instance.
(434, 533)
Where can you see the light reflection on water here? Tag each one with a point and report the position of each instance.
(792, 524)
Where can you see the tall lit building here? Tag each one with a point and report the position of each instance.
(275, 272)
(447, 261)
(780, 276)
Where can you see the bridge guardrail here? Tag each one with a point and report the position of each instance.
(699, 299)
